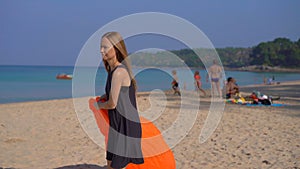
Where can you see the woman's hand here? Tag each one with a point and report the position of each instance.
(103, 97)
(92, 102)
(96, 105)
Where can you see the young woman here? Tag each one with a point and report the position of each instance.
(124, 138)
(198, 84)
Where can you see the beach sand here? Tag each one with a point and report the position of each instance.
(47, 134)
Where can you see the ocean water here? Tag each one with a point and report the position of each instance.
(30, 83)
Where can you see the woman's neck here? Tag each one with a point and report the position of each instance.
(113, 64)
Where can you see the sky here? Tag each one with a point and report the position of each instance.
(52, 32)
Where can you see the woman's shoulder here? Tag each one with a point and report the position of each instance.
(120, 70)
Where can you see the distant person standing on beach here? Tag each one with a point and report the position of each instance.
(124, 138)
(175, 83)
(214, 73)
(198, 84)
(265, 80)
(270, 81)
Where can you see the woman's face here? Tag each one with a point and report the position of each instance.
(107, 50)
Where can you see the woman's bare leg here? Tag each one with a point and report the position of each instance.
(202, 91)
(219, 89)
(214, 87)
(108, 165)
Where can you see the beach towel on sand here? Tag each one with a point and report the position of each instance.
(273, 105)
(156, 152)
(249, 103)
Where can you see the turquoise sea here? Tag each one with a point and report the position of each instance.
(30, 83)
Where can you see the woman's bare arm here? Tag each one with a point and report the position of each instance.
(120, 78)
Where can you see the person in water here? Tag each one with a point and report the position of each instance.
(124, 138)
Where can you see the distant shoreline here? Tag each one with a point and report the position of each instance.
(261, 68)
(244, 87)
(253, 68)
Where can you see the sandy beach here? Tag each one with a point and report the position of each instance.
(47, 134)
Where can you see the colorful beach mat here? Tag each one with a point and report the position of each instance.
(247, 103)
(272, 105)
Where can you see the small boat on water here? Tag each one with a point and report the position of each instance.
(64, 76)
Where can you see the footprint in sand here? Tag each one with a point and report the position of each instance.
(13, 140)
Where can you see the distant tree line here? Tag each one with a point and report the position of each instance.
(280, 52)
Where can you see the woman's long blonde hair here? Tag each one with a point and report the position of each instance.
(121, 52)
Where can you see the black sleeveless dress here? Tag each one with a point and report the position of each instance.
(125, 132)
